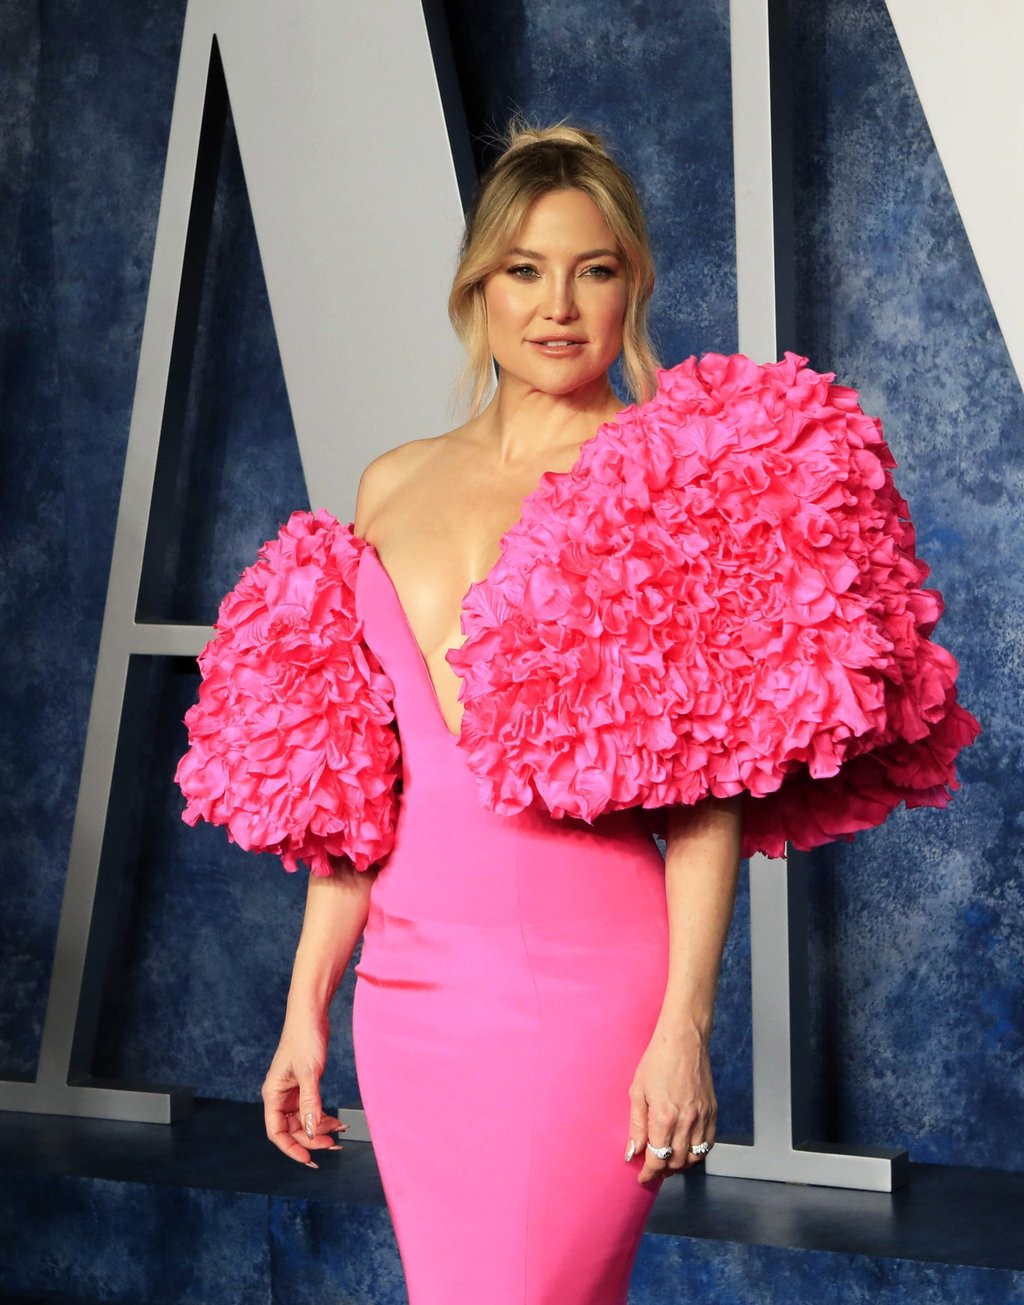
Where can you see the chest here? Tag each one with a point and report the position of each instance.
(440, 531)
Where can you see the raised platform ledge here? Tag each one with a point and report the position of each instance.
(204, 1212)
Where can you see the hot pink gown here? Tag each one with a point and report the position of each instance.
(511, 974)
(722, 596)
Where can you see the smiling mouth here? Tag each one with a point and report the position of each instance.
(558, 343)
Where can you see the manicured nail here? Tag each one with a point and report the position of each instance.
(630, 1150)
(311, 1165)
(335, 1148)
(310, 1129)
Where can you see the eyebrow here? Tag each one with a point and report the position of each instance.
(590, 253)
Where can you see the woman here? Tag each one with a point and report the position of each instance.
(551, 631)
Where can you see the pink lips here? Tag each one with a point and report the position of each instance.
(559, 346)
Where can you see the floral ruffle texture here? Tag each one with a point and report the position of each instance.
(722, 597)
(291, 742)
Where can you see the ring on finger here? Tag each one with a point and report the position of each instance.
(662, 1152)
(701, 1148)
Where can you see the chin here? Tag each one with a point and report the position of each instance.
(563, 382)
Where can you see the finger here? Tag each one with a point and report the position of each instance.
(279, 1124)
(687, 1131)
(708, 1130)
(637, 1139)
(654, 1166)
(280, 1099)
(703, 1131)
(327, 1124)
(661, 1127)
(310, 1109)
(326, 1134)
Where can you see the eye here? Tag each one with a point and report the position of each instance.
(522, 271)
(599, 271)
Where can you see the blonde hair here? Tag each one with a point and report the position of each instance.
(536, 161)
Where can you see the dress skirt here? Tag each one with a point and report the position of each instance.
(511, 974)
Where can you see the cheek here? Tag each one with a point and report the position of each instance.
(502, 305)
(613, 314)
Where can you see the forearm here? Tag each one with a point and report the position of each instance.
(336, 909)
(701, 870)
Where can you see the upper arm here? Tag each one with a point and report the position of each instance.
(713, 823)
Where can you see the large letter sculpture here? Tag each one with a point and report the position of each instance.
(782, 1148)
(353, 183)
(965, 63)
(964, 66)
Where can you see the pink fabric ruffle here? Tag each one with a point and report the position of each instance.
(723, 597)
(291, 742)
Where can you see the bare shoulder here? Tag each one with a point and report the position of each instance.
(390, 472)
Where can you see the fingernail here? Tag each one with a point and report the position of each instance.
(310, 1130)
(630, 1150)
(341, 1128)
(335, 1148)
(311, 1165)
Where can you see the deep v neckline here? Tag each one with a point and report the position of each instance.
(547, 479)
(371, 551)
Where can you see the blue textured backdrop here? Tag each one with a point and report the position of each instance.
(917, 952)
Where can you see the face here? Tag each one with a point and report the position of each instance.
(555, 306)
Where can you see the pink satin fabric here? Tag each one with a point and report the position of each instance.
(511, 974)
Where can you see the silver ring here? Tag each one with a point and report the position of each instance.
(701, 1148)
(662, 1152)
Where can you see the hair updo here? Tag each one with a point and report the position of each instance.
(536, 161)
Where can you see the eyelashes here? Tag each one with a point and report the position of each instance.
(596, 272)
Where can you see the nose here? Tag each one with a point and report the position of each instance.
(560, 304)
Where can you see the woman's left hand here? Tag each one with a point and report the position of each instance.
(672, 1102)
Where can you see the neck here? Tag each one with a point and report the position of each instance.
(522, 423)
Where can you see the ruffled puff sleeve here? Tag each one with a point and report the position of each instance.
(724, 598)
(292, 745)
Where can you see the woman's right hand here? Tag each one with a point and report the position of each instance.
(292, 1108)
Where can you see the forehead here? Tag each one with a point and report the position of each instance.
(563, 220)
